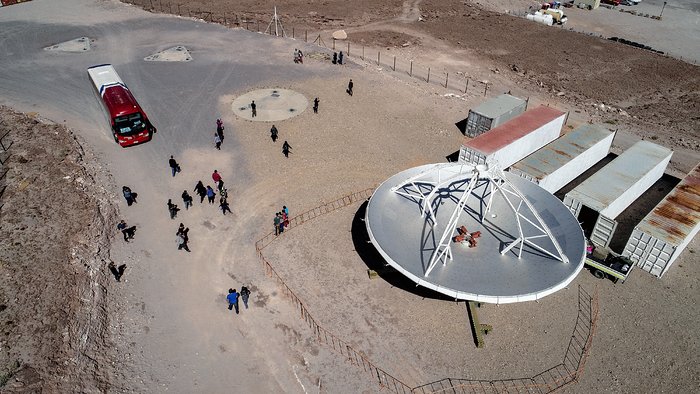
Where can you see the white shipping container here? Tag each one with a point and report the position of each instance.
(663, 234)
(493, 113)
(514, 140)
(561, 161)
(617, 185)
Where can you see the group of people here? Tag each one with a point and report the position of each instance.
(274, 134)
(210, 194)
(281, 220)
(233, 296)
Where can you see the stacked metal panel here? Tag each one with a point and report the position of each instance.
(561, 161)
(514, 140)
(661, 236)
(617, 185)
(493, 113)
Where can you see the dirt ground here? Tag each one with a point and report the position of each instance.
(658, 95)
(165, 327)
(53, 306)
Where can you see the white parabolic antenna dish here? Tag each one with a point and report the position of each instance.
(529, 246)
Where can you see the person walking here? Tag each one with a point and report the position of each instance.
(220, 129)
(182, 237)
(223, 204)
(186, 199)
(215, 176)
(350, 85)
(285, 216)
(340, 58)
(335, 58)
(117, 271)
(201, 190)
(281, 225)
(232, 299)
(296, 55)
(127, 231)
(277, 222)
(172, 208)
(223, 193)
(253, 108)
(210, 194)
(217, 141)
(273, 133)
(129, 196)
(174, 167)
(316, 105)
(245, 294)
(285, 149)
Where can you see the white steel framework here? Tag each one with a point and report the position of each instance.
(458, 182)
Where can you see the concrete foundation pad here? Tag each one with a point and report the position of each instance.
(174, 54)
(81, 44)
(271, 105)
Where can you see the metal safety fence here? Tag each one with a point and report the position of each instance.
(4, 157)
(568, 371)
(453, 80)
(322, 335)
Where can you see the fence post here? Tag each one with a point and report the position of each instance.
(334, 44)
(306, 36)
(410, 73)
(447, 77)
(394, 63)
(466, 87)
(170, 8)
(428, 79)
(348, 48)
(378, 57)
(363, 52)
(486, 87)
(178, 10)
(258, 26)
(292, 31)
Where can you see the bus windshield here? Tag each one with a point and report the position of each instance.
(129, 124)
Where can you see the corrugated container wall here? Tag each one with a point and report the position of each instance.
(561, 161)
(493, 113)
(661, 236)
(514, 140)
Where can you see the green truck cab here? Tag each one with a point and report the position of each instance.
(606, 264)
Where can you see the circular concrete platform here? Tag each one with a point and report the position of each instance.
(271, 105)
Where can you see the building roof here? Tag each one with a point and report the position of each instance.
(612, 181)
(497, 106)
(559, 152)
(513, 130)
(678, 214)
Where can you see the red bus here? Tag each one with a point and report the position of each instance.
(128, 122)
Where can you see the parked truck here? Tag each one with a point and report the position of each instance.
(606, 264)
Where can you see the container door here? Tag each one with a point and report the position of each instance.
(603, 231)
(573, 205)
(650, 254)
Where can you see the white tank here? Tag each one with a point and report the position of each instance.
(539, 18)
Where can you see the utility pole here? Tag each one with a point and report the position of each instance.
(662, 9)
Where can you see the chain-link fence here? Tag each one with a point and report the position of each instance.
(458, 82)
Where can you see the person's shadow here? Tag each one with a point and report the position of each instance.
(374, 261)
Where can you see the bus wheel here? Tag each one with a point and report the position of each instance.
(599, 274)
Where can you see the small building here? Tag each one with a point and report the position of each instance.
(601, 198)
(587, 4)
(560, 162)
(491, 113)
(512, 141)
(661, 236)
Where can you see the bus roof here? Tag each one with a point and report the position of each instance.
(104, 75)
(113, 91)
